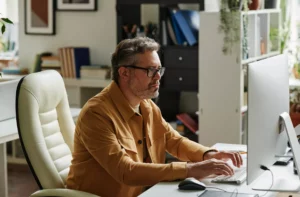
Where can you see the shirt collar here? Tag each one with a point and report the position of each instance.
(120, 101)
(123, 105)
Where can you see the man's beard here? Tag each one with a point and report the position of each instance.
(147, 93)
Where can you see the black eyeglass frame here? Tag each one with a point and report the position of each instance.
(161, 70)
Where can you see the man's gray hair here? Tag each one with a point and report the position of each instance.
(125, 53)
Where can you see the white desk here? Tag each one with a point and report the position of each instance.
(9, 132)
(171, 188)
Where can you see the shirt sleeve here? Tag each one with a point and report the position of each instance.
(177, 145)
(181, 147)
(97, 134)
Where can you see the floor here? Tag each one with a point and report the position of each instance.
(20, 181)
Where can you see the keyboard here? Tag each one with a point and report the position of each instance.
(240, 175)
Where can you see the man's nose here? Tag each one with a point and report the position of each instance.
(157, 75)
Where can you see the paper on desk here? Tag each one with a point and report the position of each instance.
(230, 147)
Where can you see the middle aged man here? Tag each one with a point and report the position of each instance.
(121, 138)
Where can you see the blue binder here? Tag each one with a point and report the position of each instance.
(81, 57)
(188, 21)
(178, 33)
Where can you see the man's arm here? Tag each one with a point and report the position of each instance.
(177, 145)
(183, 148)
(97, 134)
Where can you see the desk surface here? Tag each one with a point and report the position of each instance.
(9, 129)
(171, 188)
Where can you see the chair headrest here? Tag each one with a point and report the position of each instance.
(47, 87)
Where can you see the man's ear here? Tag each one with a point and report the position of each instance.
(124, 73)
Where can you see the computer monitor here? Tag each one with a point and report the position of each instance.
(8, 96)
(268, 98)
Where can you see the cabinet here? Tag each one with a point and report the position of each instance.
(181, 62)
(181, 68)
(222, 78)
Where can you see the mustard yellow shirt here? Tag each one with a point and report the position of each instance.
(108, 147)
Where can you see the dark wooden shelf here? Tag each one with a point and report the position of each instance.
(131, 2)
(178, 47)
(181, 61)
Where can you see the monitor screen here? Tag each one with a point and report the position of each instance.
(268, 97)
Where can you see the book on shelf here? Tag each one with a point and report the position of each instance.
(72, 58)
(50, 61)
(171, 32)
(38, 61)
(188, 21)
(95, 72)
(183, 26)
(180, 39)
(188, 121)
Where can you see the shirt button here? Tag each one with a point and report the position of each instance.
(140, 142)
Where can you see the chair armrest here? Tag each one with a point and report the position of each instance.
(60, 192)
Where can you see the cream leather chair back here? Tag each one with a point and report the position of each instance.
(45, 127)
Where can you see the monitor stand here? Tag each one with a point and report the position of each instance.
(281, 183)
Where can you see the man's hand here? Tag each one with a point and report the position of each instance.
(205, 168)
(223, 155)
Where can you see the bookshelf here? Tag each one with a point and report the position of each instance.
(80, 90)
(181, 62)
(222, 104)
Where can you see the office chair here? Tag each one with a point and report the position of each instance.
(46, 130)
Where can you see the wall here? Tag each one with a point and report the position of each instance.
(149, 13)
(94, 29)
(12, 10)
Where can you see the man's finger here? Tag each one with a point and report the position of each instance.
(225, 167)
(233, 158)
(220, 171)
(239, 158)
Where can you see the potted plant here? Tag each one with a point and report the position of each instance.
(230, 23)
(295, 106)
(296, 66)
(3, 22)
(274, 36)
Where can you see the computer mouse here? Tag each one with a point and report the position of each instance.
(191, 184)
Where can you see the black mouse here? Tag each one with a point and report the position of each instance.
(191, 184)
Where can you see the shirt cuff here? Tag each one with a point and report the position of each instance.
(210, 150)
(179, 170)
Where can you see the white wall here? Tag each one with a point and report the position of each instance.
(149, 13)
(12, 10)
(96, 30)
(3, 8)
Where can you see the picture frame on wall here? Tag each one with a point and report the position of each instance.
(39, 17)
(76, 5)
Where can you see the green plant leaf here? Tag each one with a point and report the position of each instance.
(7, 20)
(3, 28)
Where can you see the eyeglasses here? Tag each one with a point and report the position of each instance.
(151, 72)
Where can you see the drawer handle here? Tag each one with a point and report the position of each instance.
(180, 58)
(180, 79)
